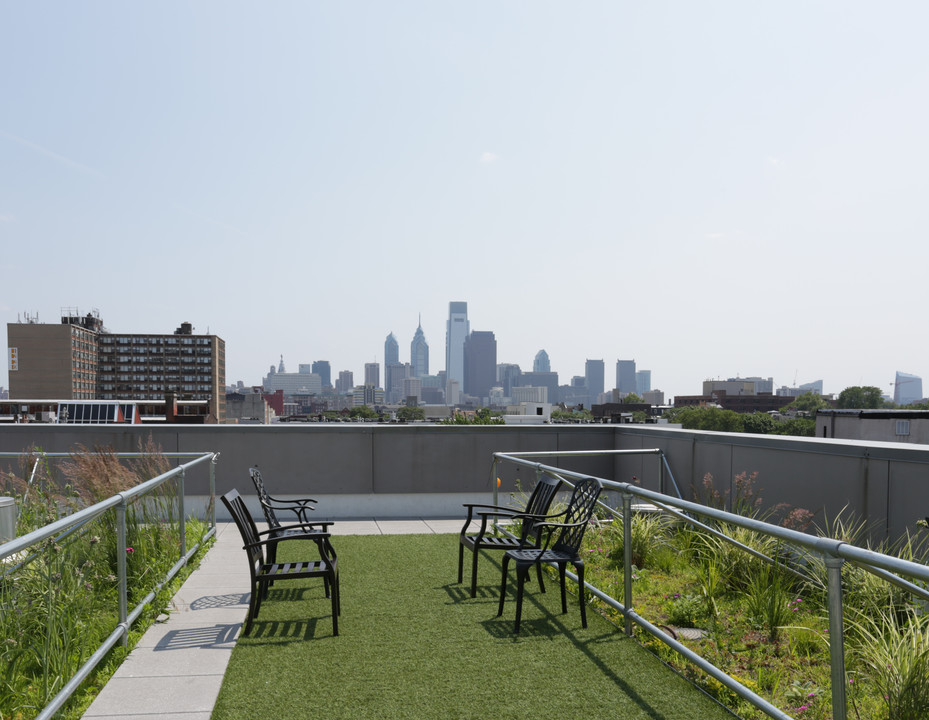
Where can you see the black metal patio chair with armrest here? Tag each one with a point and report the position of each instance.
(299, 506)
(566, 549)
(538, 504)
(263, 571)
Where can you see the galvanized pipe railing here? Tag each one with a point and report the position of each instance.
(834, 553)
(64, 526)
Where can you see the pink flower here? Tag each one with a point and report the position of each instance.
(129, 551)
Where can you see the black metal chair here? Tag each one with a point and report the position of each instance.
(534, 513)
(299, 506)
(264, 572)
(566, 549)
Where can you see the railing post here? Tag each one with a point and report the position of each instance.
(213, 492)
(627, 558)
(661, 473)
(123, 588)
(836, 637)
(181, 512)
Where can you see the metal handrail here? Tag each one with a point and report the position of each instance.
(64, 526)
(834, 552)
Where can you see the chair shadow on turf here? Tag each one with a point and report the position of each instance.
(281, 631)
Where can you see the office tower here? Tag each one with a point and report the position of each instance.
(79, 359)
(321, 368)
(625, 376)
(373, 374)
(508, 376)
(394, 375)
(391, 351)
(643, 382)
(456, 330)
(541, 363)
(412, 388)
(345, 383)
(480, 363)
(908, 389)
(594, 372)
(419, 352)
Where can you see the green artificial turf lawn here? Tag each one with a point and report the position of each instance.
(413, 644)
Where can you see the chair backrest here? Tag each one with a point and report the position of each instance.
(247, 528)
(580, 509)
(543, 494)
(264, 499)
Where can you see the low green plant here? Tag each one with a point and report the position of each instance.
(685, 610)
(895, 651)
(648, 533)
(767, 601)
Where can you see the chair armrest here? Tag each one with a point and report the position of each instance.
(305, 536)
(292, 501)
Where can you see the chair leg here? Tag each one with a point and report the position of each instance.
(460, 561)
(474, 571)
(538, 569)
(335, 604)
(581, 592)
(506, 562)
(252, 611)
(564, 597)
(521, 575)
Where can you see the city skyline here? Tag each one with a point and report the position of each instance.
(714, 190)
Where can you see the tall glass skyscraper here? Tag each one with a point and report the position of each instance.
(391, 351)
(625, 376)
(457, 329)
(593, 373)
(541, 362)
(419, 352)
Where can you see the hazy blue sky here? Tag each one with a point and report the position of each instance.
(710, 188)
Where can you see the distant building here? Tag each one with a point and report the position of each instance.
(419, 352)
(643, 382)
(904, 426)
(815, 387)
(530, 395)
(345, 383)
(391, 351)
(80, 359)
(321, 368)
(367, 394)
(413, 388)
(508, 375)
(548, 380)
(653, 397)
(541, 362)
(908, 389)
(625, 376)
(480, 363)
(373, 374)
(456, 330)
(394, 376)
(304, 382)
(594, 374)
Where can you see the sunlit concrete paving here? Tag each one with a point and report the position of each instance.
(177, 668)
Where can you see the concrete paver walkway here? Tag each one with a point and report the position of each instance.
(176, 670)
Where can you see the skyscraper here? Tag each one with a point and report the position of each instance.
(508, 376)
(419, 352)
(391, 351)
(594, 372)
(480, 363)
(321, 368)
(908, 389)
(373, 374)
(625, 376)
(346, 382)
(541, 363)
(643, 382)
(457, 329)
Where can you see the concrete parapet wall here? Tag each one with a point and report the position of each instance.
(418, 469)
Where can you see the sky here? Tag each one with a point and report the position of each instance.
(714, 189)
